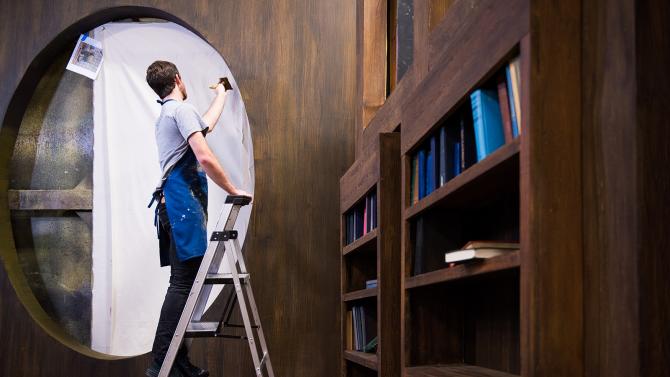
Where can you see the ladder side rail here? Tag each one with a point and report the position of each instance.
(254, 311)
(245, 314)
(214, 266)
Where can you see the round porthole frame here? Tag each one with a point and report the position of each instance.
(16, 110)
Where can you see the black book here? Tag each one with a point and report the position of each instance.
(468, 148)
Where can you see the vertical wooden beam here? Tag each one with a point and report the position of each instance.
(389, 254)
(609, 188)
(551, 188)
(421, 34)
(372, 61)
(392, 48)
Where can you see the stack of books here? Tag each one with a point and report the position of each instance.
(478, 250)
(361, 219)
(492, 119)
(360, 330)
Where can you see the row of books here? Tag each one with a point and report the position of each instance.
(492, 119)
(361, 219)
(361, 329)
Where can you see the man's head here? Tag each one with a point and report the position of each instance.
(163, 76)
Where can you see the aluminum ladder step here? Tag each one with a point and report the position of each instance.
(226, 278)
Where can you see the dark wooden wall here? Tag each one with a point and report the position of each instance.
(295, 63)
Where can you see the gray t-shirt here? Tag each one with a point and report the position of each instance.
(177, 121)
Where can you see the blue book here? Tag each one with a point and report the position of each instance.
(431, 165)
(421, 155)
(487, 121)
(456, 167)
(510, 97)
(443, 176)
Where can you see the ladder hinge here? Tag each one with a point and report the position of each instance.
(224, 235)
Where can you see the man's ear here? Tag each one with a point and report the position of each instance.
(177, 79)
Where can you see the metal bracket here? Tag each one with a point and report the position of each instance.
(224, 235)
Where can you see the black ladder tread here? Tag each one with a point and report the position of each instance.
(238, 200)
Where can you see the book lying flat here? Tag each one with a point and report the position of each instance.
(474, 250)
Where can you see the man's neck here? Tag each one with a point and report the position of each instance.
(175, 95)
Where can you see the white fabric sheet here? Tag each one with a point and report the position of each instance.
(128, 284)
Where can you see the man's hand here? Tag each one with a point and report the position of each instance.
(220, 90)
(238, 192)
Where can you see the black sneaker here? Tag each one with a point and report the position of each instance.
(155, 368)
(189, 370)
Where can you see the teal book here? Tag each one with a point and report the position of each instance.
(487, 122)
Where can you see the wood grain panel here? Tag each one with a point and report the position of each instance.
(294, 61)
(653, 101)
(610, 236)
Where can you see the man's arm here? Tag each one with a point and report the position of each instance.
(211, 164)
(213, 114)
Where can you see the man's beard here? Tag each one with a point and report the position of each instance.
(183, 93)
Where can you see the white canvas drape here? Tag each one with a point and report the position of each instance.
(128, 284)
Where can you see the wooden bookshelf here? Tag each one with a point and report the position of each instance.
(374, 255)
(554, 190)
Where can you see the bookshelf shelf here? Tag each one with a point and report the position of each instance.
(368, 360)
(454, 370)
(503, 262)
(497, 173)
(367, 242)
(359, 294)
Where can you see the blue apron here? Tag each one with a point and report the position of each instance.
(185, 192)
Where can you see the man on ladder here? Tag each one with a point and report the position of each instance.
(182, 200)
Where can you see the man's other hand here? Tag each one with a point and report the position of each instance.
(237, 192)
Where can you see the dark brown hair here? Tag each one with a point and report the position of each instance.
(161, 76)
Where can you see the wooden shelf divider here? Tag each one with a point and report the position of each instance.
(368, 360)
(359, 294)
(368, 240)
(462, 271)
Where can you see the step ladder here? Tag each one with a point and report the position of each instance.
(222, 244)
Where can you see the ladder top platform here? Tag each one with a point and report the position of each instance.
(240, 200)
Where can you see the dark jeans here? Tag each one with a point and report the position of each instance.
(182, 275)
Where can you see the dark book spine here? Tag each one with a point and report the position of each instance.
(422, 173)
(503, 101)
(443, 176)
